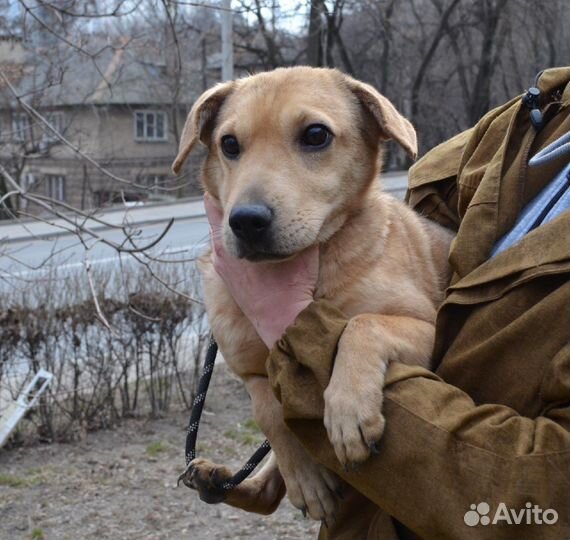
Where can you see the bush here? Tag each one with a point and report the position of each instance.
(136, 350)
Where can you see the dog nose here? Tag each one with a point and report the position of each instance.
(250, 222)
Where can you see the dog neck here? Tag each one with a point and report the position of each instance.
(348, 248)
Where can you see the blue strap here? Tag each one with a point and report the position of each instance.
(562, 205)
(553, 200)
(554, 150)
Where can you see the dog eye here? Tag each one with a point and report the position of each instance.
(230, 146)
(316, 137)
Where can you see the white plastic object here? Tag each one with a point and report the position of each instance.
(27, 399)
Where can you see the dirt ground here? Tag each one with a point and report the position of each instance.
(121, 484)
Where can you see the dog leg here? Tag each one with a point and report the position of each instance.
(311, 488)
(353, 399)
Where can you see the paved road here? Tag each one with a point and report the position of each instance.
(28, 246)
(25, 247)
(186, 236)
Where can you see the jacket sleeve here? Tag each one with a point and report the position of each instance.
(440, 453)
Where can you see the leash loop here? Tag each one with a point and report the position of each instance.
(194, 424)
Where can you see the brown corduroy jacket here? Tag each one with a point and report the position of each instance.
(492, 424)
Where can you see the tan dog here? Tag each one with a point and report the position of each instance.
(293, 158)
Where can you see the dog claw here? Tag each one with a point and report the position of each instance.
(374, 448)
(324, 523)
(350, 466)
(186, 477)
(304, 511)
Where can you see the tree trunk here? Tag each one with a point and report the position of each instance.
(315, 42)
(481, 95)
(437, 37)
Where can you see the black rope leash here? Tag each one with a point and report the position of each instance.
(192, 432)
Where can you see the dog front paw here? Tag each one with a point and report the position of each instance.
(354, 423)
(207, 479)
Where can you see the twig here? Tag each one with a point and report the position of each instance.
(100, 315)
(42, 201)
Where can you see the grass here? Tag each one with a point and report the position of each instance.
(10, 480)
(252, 426)
(247, 433)
(31, 479)
(155, 448)
(231, 434)
(230, 451)
(37, 534)
(201, 447)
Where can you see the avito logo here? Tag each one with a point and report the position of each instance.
(480, 514)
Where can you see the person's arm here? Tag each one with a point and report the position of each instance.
(440, 452)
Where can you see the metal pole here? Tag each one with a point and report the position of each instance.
(227, 42)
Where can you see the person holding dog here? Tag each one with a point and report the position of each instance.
(479, 448)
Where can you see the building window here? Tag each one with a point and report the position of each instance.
(21, 127)
(150, 126)
(56, 120)
(55, 187)
(29, 181)
(154, 182)
(106, 198)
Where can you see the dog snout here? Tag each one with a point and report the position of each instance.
(251, 222)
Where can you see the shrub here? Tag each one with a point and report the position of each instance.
(135, 350)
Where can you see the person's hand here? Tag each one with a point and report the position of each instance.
(272, 294)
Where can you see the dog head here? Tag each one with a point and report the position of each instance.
(290, 154)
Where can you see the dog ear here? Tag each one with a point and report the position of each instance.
(391, 123)
(199, 123)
